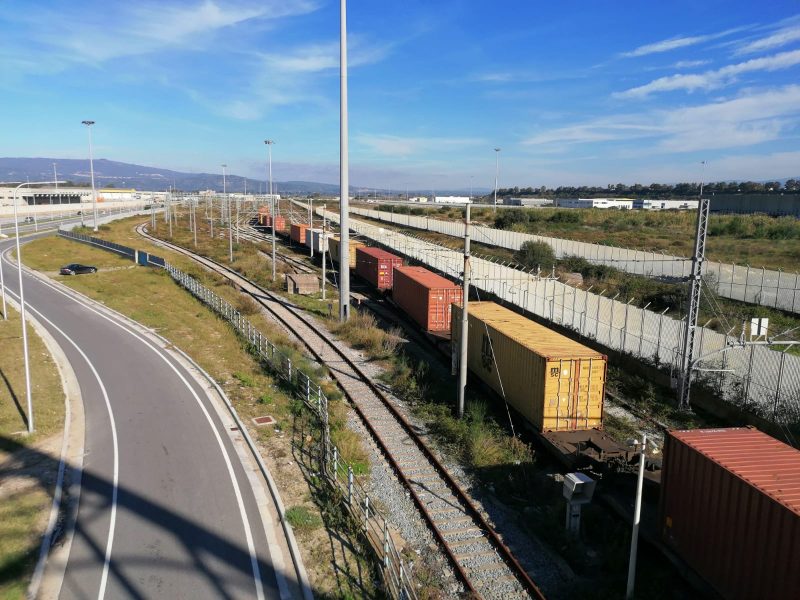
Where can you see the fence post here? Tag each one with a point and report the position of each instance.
(749, 377)
(733, 278)
(289, 364)
(778, 290)
(385, 544)
(778, 387)
(366, 512)
(746, 282)
(349, 485)
(335, 463)
(761, 289)
(794, 293)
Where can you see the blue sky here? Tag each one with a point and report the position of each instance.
(572, 92)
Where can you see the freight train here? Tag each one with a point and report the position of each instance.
(729, 503)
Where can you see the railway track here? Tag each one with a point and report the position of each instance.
(481, 560)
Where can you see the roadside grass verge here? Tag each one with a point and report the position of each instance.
(25, 492)
(149, 296)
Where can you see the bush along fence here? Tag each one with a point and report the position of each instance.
(337, 473)
(754, 378)
(776, 289)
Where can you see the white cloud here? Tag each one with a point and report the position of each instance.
(748, 119)
(392, 145)
(675, 43)
(777, 39)
(689, 64)
(713, 79)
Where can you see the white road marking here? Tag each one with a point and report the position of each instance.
(237, 491)
(115, 489)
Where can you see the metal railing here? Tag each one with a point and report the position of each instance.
(371, 523)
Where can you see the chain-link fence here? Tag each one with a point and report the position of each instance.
(776, 289)
(754, 377)
(370, 521)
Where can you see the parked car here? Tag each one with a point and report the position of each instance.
(29, 220)
(76, 269)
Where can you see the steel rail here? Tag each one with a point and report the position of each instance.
(504, 552)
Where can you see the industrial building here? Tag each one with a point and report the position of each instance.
(618, 203)
(451, 200)
(527, 202)
(645, 204)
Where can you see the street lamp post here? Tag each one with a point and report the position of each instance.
(496, 173)
(272, 202)
(22, 307)
(344, 183)
(91, 170)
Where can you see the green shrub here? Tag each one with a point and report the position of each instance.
(245, 379)
(532, 254)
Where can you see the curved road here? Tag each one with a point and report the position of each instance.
(166, 506)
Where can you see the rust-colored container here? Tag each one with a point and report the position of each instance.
(377, 266)
(280, 223)
(425, 296)
(298, 232)
(730, 507)
(334, 244)
(556, 383)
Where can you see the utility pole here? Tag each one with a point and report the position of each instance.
(324, 246)
(194, 221)
(344, 182)
(693, 308)
(230, 231)
(273, 208)
(462, 365)
(169, 213)
(310, 226)
(496, 173)
(637, 512)
(91, 170)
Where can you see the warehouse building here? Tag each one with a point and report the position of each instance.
(618, 203)
(527, 202)
(645, 204)
(451, 199)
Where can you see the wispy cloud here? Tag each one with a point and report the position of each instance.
(780, 38)
(713, 79)
(689, 64)
(677, 42)
(399, 146)
(748, 119)
(140, 28)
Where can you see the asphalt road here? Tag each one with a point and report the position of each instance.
(166, 508)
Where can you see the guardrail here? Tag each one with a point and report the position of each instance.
(756, 285)
(370, 521)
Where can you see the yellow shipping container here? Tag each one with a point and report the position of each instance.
(556, 383)
(333, 248)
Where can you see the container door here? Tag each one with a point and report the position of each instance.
(576, 402)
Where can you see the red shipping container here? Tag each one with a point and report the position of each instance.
(425, 296)
(280, 223)
(377, 266)
(298, 232)
(730, 507)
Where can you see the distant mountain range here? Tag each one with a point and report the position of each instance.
(124, 175)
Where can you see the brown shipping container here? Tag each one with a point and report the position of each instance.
(425, 296)
(556, 383)
(333, 248)
(377, 266)
(298, 233)
(730, 507)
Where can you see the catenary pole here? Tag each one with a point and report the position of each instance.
(273, 211)
(344, 183)
(324, 246)
(496, 173)
(462, 364)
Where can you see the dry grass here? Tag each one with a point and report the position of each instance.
(362, 332)
(23, 499)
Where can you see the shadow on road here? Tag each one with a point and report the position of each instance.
(198, 541)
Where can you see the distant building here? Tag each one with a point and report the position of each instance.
(451, 199)
(644, 204)
(418, 199)
(618, 203)
(527, 201)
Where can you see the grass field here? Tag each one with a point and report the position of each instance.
(143, 293)
(757, 240)
(24, 498)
